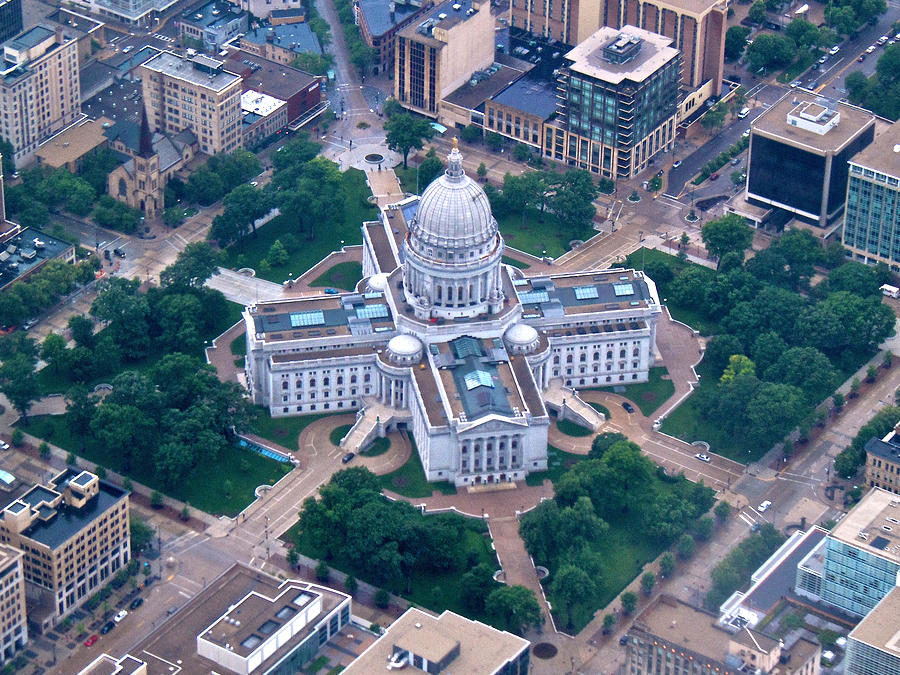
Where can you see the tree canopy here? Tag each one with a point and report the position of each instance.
(406, 132)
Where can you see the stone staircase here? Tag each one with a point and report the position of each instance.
(566, 403)
(371, 422)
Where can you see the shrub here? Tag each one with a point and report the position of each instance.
(382, 598)
(18, 437)
(322, 571)
(44, 449)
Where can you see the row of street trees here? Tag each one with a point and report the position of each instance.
(361, 54)
(880, 93)
(42, 289)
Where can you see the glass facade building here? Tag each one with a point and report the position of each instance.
(855, 579)
(872, 216)
(10, 19)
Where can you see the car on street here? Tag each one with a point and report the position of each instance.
(872, 48)
(346, 459)
(91, 640)
(119, 252)
(332, 291)
(121, 615)
(762, 508)
(127, 49)
(659, 173)
(137, 602)
(703, 457)
(862, 57)
(628, 407)
(29, 324)
(746, 133)
(714, 176)
(834, 50)
(4, 445)
(795, 84)
(883, 40)
(676, 163)
(743, 113)
(108, 626)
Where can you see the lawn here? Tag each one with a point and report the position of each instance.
(538, 238)
(245, 470)
(569, 428)
(515, 263)
(409, 479)
(648, 396)
(558, 462)
(600, 409)
(338, 433)
(344, 275)
(805, 58)
(356, 210)
(379, 446)
(284, 431)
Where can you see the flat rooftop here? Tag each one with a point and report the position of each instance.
(73, 143)
(422, 27)
(883, 155)
(29, 38)
(379, 18)
(200, 71)
(323, 315)
(535, 97)
(486, 84)
(880, 628)
(482, 648)
(24, 252)
(877, 516)
(588, 57)
(296, 37)
(269, 77)
(570, 294)
(210, 13)
(774, 122)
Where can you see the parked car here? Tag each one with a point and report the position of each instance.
(137, 602)
(121, 615)
(870, 49)
(743, 113)
(108, 626)
(119, 252)
(29, 324)
(795, 84)
(762, 508)
(332, 291)
(703, 457)
(676, 163)
(91, 640)
(822, 59)
(883, 40)
(834, 50)
(346, 459)
(628, 407)
(659, 173)
(4, 445)
(714, 176)
(862, 57)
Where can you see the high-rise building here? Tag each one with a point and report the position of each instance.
(618, 102)
(440, 51)
(13, 621)
(74, 534)
(873, 647)
(39, 89)
(799, 153)
(696, 28)
(129, 12)
(10, 18)
(872, 217)
(862, 554)
(195, 93)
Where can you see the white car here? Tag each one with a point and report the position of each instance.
(676, 163)
(795, 84)
(4, 445)
(834, 50)
(762, 508)
(703, 457)
(870, 49)
(121, 615)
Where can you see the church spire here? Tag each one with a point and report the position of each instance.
(145, 148)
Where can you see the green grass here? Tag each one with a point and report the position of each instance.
(805, 58)
(558, 462)
(600, 409)
(515, 263)
(344, 275)
(642, 256)
(245, 469)
(239, 345)
(328, 239)
(407, 178)
(648, 396)
(409, 479)
(379, 447)
(338, 433)
(316, 665)
(282, 430)
(569, 428)
(538, 238)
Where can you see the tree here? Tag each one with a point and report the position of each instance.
(713, 118)
(757, 13)
(685, 546)
(430, 168)
(406, 132)
(53, 350)
(44, 450)
(736, 42)
(350, 584)
(841, 19)
(513, 608)
(382, 598)
(293, 558)
(474, 587)
(838, 400)
(738, 364)
(141, 533)
(703, 528)
(666, 564)
(570, 586)
(482, 171)
(719, 351)
(19, 382)
(804, 33)
(277, 254)
(723, 510)
(81, 328)
(730, 233)
(609, 620)
(322, 571)
(193, 266)
(604, 442)
(770, 51)
(629, 602)
(648, 581)
(313, 63)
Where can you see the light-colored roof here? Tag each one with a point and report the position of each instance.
(482, 649)
(881, 627)
(405, 345)
(774, 123)
(883, 154)
(521, 334)
(261, 104)
(873, 525)
(73, 143)
(199, 70)
(587, 57)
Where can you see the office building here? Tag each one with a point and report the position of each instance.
(379, 23)
(618, 103)
(74, 534)
(799, 154)
(695, 27)
(262, 117)
(281, 43)
(447, 643)
(521, 110)
(862, 554)
(672, 636)
(873, 646)
(451, 343)
(264, 9)
(136, 13)
(194, 93)
(872, 217)
(440, 51)
(10, 19)
(210, 25)
(39, 89)
(13, 621)
(883, 462)
(245, 621)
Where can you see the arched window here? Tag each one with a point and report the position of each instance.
(123, 188)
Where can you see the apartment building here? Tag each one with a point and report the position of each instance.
(39, 89)
(440, 51)
(13, 621)
(74, 536)
(696, 27)
(281, 43)
(872, 213)
(618, 102)
(194, 93)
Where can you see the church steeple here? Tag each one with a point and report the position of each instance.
(145, 149)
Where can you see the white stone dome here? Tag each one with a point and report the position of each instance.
(521, 338)
(404, 349)
(453, 212)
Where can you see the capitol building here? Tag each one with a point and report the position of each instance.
(473, 357)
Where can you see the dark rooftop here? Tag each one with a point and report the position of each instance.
(95, 73)
(26, 251)
(268, 77)
(379, 18)
(780, 581)
(297, 37)
(210, 13)
(485, 84)
(288, 13)
(29, 38)
(885, 449)
(535, 97)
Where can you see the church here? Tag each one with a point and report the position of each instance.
(443, 339)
